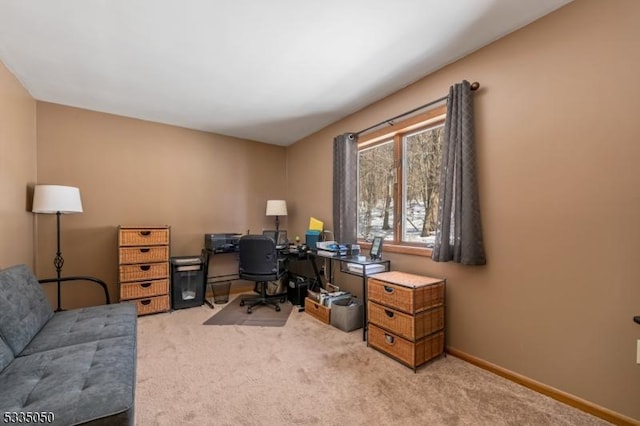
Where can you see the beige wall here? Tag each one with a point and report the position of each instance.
(17, 170)
(133, 172)
(558, 142)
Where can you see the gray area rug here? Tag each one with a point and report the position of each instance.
(262, 316)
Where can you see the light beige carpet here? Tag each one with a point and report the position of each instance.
(309, 373)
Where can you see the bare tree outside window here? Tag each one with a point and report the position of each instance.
(375, 191)
(421, 181)
(399, 181)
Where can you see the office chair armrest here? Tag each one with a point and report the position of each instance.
(81, 278)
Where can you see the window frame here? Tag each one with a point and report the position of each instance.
(431, 118)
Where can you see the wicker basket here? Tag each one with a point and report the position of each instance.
(143, 289)
(130, 255)
(411, 354)
(143, 237)
(152, 305)
(317, 311)
(406, 299)
(411, 327)
(145, 272)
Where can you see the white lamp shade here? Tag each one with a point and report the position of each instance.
(56, 198)
(276, 208)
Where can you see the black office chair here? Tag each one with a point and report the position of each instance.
(259, 262)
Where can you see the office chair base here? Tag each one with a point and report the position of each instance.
(253, 302)
(262, 299)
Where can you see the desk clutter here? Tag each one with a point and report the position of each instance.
(332, 248)
(335, 307)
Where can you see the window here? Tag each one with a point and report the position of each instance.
(399, 179)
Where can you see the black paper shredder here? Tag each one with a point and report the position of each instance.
(297, 290)
(187, 282)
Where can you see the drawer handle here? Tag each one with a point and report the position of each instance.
(145, 302)
(389, 338)
(388, 290)
(145, 250)
(389, 314)
(145, 267)
(144, 233)
(145, 285)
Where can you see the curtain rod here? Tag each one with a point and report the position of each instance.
(474, 86)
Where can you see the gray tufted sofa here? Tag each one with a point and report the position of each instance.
(64, 368)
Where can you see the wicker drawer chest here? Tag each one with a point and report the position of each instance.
(406, 316)
(143, 257)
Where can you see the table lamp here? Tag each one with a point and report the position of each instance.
(56, 199)
(277, 208)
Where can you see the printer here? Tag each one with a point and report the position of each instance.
(222, 243)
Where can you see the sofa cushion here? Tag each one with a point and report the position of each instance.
(6, 354)
(24, 308)
(86, 383)
(68, 328)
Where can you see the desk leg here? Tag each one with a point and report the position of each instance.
(314, 266)
(206, 300)
(215, 279)
(206, 278)
(364, 301)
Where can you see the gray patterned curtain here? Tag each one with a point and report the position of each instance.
(459, 230)
(345, 187)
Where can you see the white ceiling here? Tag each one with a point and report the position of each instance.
(273, 71)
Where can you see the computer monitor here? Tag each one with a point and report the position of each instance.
(280, 237)
(271, 234)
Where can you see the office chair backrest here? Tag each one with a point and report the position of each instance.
(258, 255)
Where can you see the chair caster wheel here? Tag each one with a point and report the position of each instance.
(242, 303)
(277, 308)
(249, 311)
(282, 300)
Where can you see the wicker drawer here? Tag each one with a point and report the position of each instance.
(152, 305)
(317, 311)
(410, 299)
(411, 327)
(412, 354)
(136, 290)
(145, 272)
(129, 255)
(143, 236)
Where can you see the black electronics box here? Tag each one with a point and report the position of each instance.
(222, 243)
(187, 281)
(297, 290)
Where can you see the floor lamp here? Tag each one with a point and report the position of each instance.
(58, 200)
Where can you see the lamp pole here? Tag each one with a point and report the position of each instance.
(58, 261)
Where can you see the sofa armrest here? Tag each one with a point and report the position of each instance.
(81, 278)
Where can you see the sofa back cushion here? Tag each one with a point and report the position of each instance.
(24, 308)
(6, 354)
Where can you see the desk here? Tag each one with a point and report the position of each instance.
(344, 262)
(216, 279)
(226, 278)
